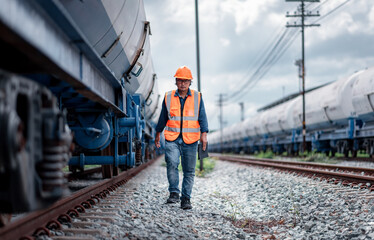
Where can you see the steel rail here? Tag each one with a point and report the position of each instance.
(27, 225)
(290, 166)
(368, 171)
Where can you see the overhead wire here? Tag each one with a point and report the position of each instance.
(284, 39)
(271, 59)
(333, 10)
(274, 58)
(260, 57)
(279, 45)
(268, 56)
(266, 59)
(317, 8)
(276, 52)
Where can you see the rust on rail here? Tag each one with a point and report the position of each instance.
(26, 226)
(305, 167)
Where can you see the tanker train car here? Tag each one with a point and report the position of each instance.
(77, 87)
(339, 118)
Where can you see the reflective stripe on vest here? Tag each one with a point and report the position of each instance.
(191, 126)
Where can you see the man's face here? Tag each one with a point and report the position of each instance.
(183, 84)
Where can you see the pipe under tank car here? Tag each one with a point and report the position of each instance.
(77, 87)
(339, 118)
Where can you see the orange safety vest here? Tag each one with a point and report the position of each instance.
(189, 119)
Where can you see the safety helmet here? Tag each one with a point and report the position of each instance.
(183, 73)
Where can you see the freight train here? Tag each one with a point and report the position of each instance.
(77, 88)
(339, 118)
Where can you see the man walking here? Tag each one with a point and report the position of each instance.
(184, 119)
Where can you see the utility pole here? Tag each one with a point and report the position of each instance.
(220, 105)
(302, 14)
(198, 59)
(298, 63)
(242, 111)
(197, 44)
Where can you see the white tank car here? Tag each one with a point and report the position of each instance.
(228, 134)
(212, 138)
(153, 98)
(260, 126)
(277, 119)
(286, 120)
(216, 138)
(327, 108)
(249, 126)
(342, 107)
(271, 119)
(328, 105)
(233, 131)
(239, 132)
(363, 95)
(120, 36)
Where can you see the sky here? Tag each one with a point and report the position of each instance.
(237, 35)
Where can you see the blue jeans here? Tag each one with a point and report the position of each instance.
(187, 152)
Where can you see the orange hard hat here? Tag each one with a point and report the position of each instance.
(183, 73)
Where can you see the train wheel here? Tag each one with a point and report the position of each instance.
(108, 171)
(147, 154)
(138, 154)
(354, 153)
(333, 153)
(346, 153)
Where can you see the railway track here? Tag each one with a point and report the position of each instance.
(364, 177)
(42, 222)
(361, 159)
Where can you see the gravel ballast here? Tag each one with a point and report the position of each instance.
(243, 202)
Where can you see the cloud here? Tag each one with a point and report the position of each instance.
(336, 26)
(179, 11)
(234, 34)
(224, 42)
(371, 19)
(246, 13)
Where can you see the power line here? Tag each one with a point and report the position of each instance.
(317, 8)
(333, 10)
(267, 64)
(250, 79)
(271, 55)
(267, 54)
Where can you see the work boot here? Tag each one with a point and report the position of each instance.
(186, 204)
(173, 198)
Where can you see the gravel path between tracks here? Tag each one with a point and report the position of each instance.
(265, 204)
(293, 207)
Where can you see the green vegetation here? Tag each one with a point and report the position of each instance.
(362, 154)
(304, 157)
(208, 164)
(319, 158)
(267, 154)
(236, 212)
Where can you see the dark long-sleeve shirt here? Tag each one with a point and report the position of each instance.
(203, 121)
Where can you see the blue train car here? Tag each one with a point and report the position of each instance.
(77, 87)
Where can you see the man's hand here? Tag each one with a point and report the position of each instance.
(203, 140)
(157, 140)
